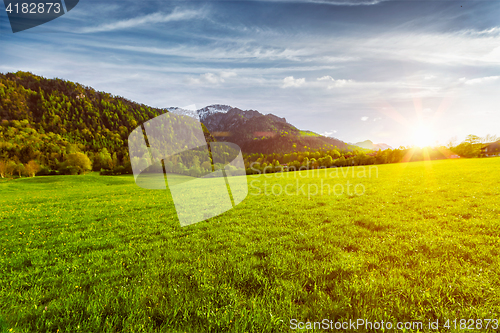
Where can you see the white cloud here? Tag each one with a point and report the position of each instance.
(176, 15)
(339, 83)
(487, 79)
(211, 78)
(192, 80)
(364, 118)
(329, 133)
(291, 82)
(336, 83)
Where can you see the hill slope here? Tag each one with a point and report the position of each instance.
(50, 118)
(255, 132)
(372, 146)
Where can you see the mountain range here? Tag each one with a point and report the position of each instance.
(255, 132)
(372, 146)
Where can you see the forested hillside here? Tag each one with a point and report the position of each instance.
(47, 120)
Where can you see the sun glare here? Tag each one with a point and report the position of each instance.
(422, 136)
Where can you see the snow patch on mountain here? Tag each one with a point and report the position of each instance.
(211, 109)
(184, 112)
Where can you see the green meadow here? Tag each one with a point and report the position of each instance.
(416, 242)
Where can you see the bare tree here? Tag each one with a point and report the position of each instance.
(20, 169)
(472, 139)
(452, 142)
(3, 169)
(489, 138)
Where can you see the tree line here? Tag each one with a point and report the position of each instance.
(471, 147)
(65, 127)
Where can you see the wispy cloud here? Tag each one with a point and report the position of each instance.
(489, 32)
(175, 15)
(214, 52)
(210, 78)
(453, 48)
(336, 2)
(226, 75)
(480, 80)
(349, 2)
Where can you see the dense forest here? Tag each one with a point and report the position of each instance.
(65, 127)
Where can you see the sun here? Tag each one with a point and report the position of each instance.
(423, 136)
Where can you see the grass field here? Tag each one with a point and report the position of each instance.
(99, 254)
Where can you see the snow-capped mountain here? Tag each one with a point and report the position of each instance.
(184, 112)
(211, 109)
(217, 111)
(255, 132)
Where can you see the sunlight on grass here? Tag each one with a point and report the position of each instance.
(99, 254)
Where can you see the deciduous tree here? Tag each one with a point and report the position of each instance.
(80, 161)
(31, 168)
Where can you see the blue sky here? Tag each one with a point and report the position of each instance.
(355, 70)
